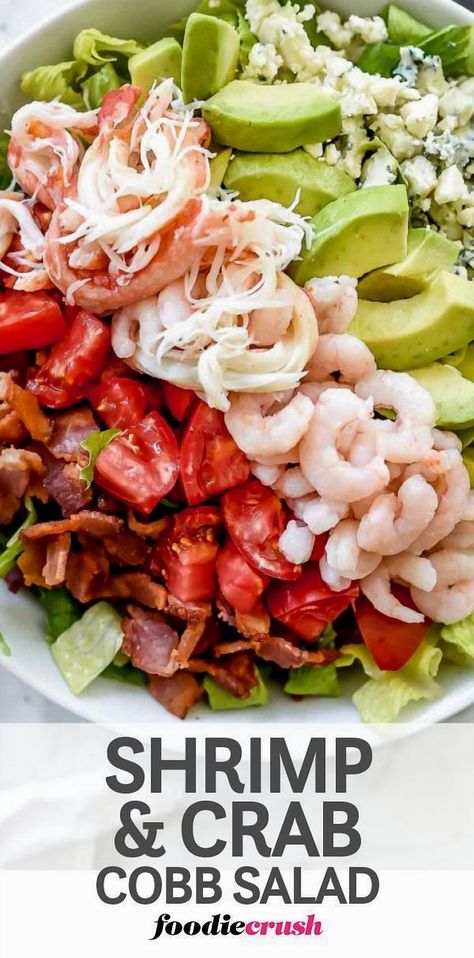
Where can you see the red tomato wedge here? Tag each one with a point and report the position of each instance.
(185, 556)
(241, 585)
(29, 321)
(73, 363)
(308, 605)
(178, 401)
(210, 460)
(141, 466)
(390, 642)
(121, 403)
(255, 519)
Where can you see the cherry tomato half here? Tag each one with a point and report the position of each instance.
(210, 460)
(185, 556)
(390, 642)
(121, 403)
(255, 519)
(73, 363)
(29, 321)
(241, 585)
(308, 605)
(179, 401)
(140, 466)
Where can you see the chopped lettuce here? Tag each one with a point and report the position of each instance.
(455, 46)
(380, 58)
(88, 646)
(97, 85)
(94, 443)
(403, 28)
(461, 635)
(386, 693)
(56, 82)
(14, 546)
(4, 646)
(220, 699)
(5, 171)
(91, 44)
(125, 673)
(313, 680)
(61, 610)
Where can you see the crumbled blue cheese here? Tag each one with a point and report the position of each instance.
(381, 169)
(420, 175)
(421, 116)
(368, 29)
(457, 105)
(392, 131)
(263, 63)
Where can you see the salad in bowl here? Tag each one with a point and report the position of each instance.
(237, 355)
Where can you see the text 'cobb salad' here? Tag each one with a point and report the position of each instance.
(237, 355)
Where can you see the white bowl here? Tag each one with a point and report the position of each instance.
(21, 618)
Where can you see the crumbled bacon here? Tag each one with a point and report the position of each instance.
(188, 611)
(32, 561)
(64, 484)
(177, 694)
(88, 578)
(288, 656)
(57, 551)
(137, 586)
(148, 530)
(228, 648)
(127, 549)
(254, 624)
(12, 429)
(237, 675)
(70, 428)
(86, 575)
(16, 468)
(149, 641)
(188, 642)
(26, 406)
(93, 523)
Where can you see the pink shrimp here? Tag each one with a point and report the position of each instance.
(130, 223)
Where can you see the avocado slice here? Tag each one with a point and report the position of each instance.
(428, 253)
(468, 458)
(279, 176)
(453, 395)
(218, 165)
(466, 366)
(466, 436)
(256, 118)
(357, 233)
(161, 60)
(220, 699)
(210, 56)
(409, 333)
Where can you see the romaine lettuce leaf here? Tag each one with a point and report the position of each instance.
(90, 44)
(84, 650)
(386, 693)
(455, 46)
(97, 85)
(461, 635)
(59, 81)
(403, 28)
(4, 646)
(380, 58)
(313, 680)
(14, 546)
(94, 443)
(125, 673)
(61, 610)
(220, 699)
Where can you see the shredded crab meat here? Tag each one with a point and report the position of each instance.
(16, 218)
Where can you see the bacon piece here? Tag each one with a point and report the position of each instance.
(88, 578)
(288, 656)
(57, 551)
(70, 428)
(228, 648)
(177, 694)
(188, 642)
(26, 407)
(127, 549)
(237, 675)
(138, 586)
(148, 530)
(93, 523)
(149, 641)
(31, 562)
(225, 612)
(16, 469)
(189, 612)
(12, 430)
(64, 484)
(254, 624)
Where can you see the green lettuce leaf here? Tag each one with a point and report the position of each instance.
(455, 46)
(14, 546)
(5, 171)
(380, 58)
(4, 646)
(461, 635)
(97, 85)
(90, 44)
(94, 443)
(386, 693)
(125, 673)
(88, 646)
(56, 82)
(61, 610)
(313, 680)
(403, 28)
(221, 700)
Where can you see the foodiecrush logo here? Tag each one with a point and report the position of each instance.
(226, 925)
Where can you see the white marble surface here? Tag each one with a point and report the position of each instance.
(18, 702)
